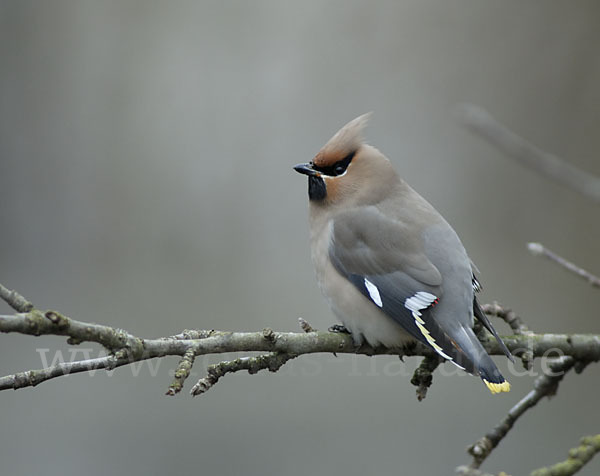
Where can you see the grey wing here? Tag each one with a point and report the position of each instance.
(385, 263)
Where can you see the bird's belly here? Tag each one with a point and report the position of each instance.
(362, 318)
(359, 315)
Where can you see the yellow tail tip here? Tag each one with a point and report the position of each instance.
(497, 387)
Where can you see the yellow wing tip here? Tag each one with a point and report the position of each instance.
(497, 387)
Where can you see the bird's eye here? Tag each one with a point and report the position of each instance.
(336, 169)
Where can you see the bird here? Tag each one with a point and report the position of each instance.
(390, 266)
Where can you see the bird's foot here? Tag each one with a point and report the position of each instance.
(339, 329)
(364, 348)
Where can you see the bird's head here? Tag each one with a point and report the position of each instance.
(348, 171)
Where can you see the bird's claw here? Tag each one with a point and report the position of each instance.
(338, 328)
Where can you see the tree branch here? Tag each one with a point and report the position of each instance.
(481, 122)
(468, 471)
(279, 347)
(182, 372)
(537, 249)
(516, 324)
(31, 378)
(545, 385)
(580, 346)
(15, 300)
(509, 316)
(272, 361)
(578, 458)
(423, 376)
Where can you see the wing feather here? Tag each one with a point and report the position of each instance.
(388, 268)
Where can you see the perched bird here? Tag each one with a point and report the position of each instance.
(391, 267)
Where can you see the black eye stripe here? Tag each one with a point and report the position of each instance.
(338, 168)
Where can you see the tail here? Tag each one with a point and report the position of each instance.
(491, 376)
(472, 356)
(481, 317)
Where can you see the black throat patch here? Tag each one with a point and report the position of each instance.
(317, 190)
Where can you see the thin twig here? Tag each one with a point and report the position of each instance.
(578, 458)
(509, 316)
(518, 327)
(272, 361)
(545, 385)
(38, 323)
(182, 372)
(31, 378)
(480, 121)
(423, 376)
(468, 471)
(15, 300)
(305, 326)
(537, 249)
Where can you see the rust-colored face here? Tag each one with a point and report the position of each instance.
(327, 176)
(323, 175)
(334, 166)
(327, 158)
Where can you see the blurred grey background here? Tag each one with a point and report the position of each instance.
(146, 153)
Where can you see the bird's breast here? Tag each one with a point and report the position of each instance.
(359, 315)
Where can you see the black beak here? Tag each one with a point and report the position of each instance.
(306, 169)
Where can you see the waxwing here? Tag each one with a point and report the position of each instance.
(392, 269)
